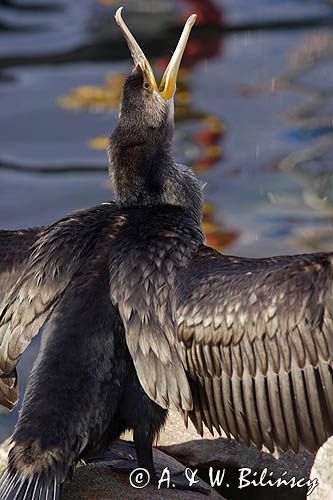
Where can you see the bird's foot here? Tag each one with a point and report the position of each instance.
(168, 473)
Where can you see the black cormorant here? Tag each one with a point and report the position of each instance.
(141, 316)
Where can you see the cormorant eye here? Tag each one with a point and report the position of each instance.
(146, 85)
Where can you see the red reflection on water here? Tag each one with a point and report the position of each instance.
(207, 11)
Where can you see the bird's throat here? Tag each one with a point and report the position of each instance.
(138, 163)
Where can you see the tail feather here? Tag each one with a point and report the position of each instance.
(18, 486)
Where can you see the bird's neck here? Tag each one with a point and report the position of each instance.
(139, 161)
(145, 174)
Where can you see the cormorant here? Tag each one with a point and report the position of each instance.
(141, 316)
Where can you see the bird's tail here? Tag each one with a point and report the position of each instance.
(18, 486)
(33, 473)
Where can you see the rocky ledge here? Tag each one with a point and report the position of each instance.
(234, 462)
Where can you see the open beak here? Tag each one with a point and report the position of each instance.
(168, 84)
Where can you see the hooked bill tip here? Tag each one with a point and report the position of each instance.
(118, 15)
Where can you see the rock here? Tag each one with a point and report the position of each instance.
(98, 482)
(175, 431)
(227, 454)
(322, 470)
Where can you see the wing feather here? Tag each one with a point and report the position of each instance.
(243, 346)
(229, 407)
(15, 250)
(289, 410)
(305, 425)
(209, 391)
(57, 254)
(205, 406)
(262, 331)
(240, 408)
(221, 414)
(275, 404)
(326, 383)
(315, 408)
(262, 405)
(142, 271)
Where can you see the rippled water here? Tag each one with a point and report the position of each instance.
(254, 114)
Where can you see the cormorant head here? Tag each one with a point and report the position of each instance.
(143, 102)
(141, 164)
(142, 106)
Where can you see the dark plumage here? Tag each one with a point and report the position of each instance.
(14, 251)
(15, 248)
(140, 316)
(83, 391)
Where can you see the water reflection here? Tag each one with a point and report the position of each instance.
(310, 124)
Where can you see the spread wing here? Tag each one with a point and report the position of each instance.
(57, 256)
(258, 335)
(15, 249)
(141, 275)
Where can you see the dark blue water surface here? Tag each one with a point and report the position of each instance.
(254, 114)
